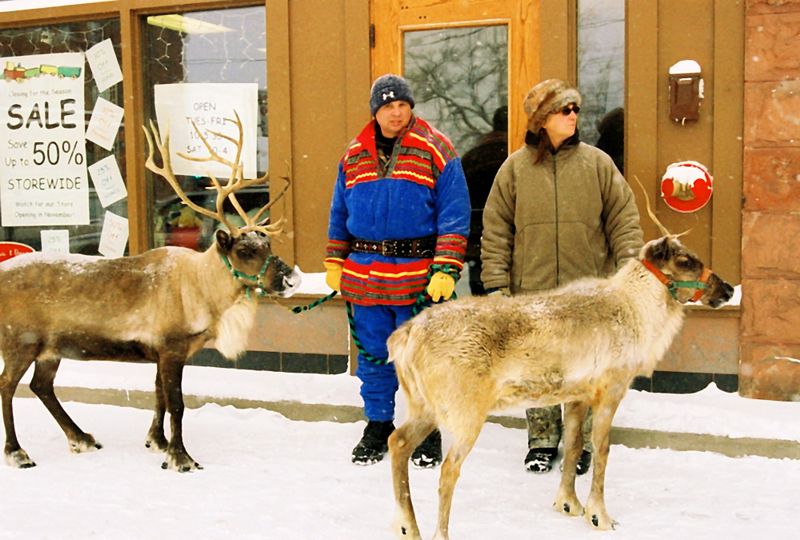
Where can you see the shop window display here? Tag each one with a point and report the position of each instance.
(47, 42)
(226, 46)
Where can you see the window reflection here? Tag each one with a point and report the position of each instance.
(601, 73)
(460, 81)
(459, 77)
(219, 46)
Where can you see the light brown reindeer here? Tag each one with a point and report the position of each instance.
(581, 345)
(161, 306)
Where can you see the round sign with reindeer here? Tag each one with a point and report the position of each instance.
(686, 186)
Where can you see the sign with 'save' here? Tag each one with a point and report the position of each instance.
(43, 179)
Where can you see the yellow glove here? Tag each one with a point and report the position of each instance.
(333, 275)
(441, 286)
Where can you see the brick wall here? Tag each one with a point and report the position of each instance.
(770, 326)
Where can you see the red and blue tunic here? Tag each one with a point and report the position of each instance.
(422, 193)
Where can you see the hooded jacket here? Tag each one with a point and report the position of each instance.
(571, 215)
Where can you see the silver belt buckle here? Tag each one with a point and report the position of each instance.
(388, 247)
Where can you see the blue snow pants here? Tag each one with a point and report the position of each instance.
(373, 325)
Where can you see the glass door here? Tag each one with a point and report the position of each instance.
(469, 65)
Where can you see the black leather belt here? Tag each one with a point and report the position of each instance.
(419, 248)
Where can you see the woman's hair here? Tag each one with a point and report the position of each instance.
(544, 146)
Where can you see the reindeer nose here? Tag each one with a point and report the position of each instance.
(728, 291)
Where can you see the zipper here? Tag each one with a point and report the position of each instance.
(555, 204)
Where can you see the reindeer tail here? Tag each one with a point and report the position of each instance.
(404, 351)
(398, 343)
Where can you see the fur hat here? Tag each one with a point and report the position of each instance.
(548, 97)
(388, 88)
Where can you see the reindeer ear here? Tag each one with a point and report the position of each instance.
(661, 250)
(224, 240)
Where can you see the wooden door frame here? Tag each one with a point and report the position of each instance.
(389, 20)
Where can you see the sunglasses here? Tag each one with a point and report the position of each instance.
(570, 108)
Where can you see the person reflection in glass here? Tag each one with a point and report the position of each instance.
(480, 165)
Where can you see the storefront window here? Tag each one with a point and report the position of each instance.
(205, 66)
(601, 74)
(47, 200)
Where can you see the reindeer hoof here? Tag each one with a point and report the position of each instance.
(604, 523)
(87, 444)
(569, 506)
(19, 459)
(182, 463)
(183, 468)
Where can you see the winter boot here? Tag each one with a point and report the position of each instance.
(374, 443)
(584, 462)
(540, 460)
(429, 453)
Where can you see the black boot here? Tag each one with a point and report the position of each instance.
(373, 444)
(540, 460)
(583, 462)
(429, 453)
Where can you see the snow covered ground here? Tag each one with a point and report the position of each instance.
(269, 477)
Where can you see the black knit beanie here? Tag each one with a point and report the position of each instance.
(388, 88)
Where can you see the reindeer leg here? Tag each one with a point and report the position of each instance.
(42, 385)
(15, 365)
(171, 369)
(567, 500)
(156, 440)
(402, 443)
(596, 512)
(451, 470)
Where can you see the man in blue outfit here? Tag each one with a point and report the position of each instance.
(398, 228)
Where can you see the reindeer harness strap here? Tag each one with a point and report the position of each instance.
(673, 286)
(256, 279)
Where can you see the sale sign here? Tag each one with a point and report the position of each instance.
(43, 178)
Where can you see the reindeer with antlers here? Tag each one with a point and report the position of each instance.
(161, 306)
(581, 345)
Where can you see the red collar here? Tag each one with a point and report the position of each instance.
(673, 286)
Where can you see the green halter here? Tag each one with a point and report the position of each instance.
(241, 276)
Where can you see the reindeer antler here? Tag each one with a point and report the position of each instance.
(154, 140)
(650, 212)
(236, 180)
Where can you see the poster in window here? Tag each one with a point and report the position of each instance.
(209, 106)
(43, 178)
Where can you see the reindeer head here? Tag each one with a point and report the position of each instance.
(250, 259)
(684, 275)
(245, 250)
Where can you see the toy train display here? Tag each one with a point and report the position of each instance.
(17, 72)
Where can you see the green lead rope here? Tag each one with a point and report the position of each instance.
(315, 303)
(423, 301)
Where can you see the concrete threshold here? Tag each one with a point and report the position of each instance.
(316, 412)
